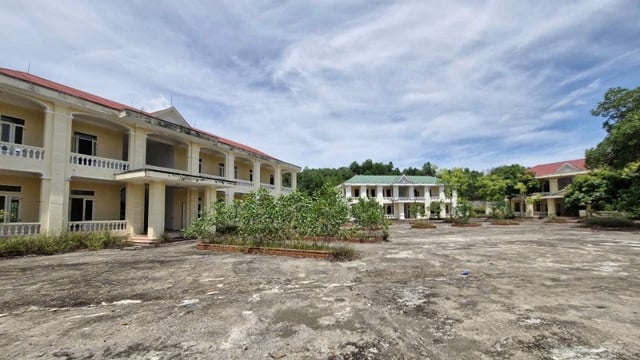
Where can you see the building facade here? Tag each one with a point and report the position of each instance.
(403, 197)
(554, 178)
(73, 161)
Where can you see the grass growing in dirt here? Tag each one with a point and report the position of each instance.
(336, 252)
(610, 222)
(421, 224)
(49, 245)
(504, 222)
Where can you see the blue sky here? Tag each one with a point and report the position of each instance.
(322, 83)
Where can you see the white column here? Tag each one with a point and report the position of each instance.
(156, 209)
(427, 202)
(379, 193)
(137, 148)
(229, 196)
(363, 191)
(193, 159)
(228, 167)
(192, 200)
(396, 191)
(210, 194)
(347, 191)
(256, 174)
(278, 180)
(294, 180)
(551, 207)
(134, 208)
(54, 189)
(411, 192)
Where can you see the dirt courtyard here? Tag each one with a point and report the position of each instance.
(533, 291)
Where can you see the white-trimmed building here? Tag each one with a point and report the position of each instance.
(399, 194)
(554, 179)
(73, 161)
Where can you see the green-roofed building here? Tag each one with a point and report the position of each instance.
(402, 196)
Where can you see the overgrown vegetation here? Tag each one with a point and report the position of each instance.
(615, 185)
(609, 222)
(422, 224)
(49, 245)
(263, 220)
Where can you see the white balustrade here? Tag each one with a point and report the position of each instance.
(267, 186)
(98, 162)
(244, 183)
(19, 229)
(23, 151)
(285, 190)
(116, 226)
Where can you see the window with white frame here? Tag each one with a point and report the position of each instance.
(271, 180)
(11, 129)
(10, 203)
(84, 144)
(235, 172)
(250, 175)
(200, 166)
(81, 206)
(221, 169)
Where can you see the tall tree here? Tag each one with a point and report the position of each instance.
(516, 178)
(621, 145)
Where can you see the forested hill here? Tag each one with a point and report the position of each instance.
(311, 179)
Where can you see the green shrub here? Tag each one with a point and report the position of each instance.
(421, 224)
(368, 214)
(609, 222)
(342, 253)
(49, 245)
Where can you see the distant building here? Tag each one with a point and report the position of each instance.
(554, 178)
(73, 161)
(402, 196)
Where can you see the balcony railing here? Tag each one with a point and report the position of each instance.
(267, 186)
(99, 162)
(19, 229)
(285, 190)
(23, 151)
(244, 183)
(114, 226)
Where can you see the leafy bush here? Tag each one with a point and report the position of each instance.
(422, 224)
(342, 253)
(49, 245)
(329, 211)
(609, 222)
(463, 211)
(435, 207)
(368, 214)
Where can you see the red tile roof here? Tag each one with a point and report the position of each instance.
(549, 169)
(33, 79)
(65, 89)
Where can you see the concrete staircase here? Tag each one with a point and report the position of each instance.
(141, 240)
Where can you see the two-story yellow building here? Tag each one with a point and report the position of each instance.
(554, 178)
(73, 161)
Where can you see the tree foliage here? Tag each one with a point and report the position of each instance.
(310, 180)
(621, 145)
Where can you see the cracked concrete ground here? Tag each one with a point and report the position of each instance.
(534, 291)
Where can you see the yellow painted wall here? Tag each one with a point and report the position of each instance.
(34, 122)
(109, 141)
(178, 201)
(265, 172)
(211, 162)
(29, 195)
(181, 157)
(243, 169)
(106, 199)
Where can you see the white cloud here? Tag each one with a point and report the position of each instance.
(472, 84)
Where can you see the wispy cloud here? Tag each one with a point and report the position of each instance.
(474, 84)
